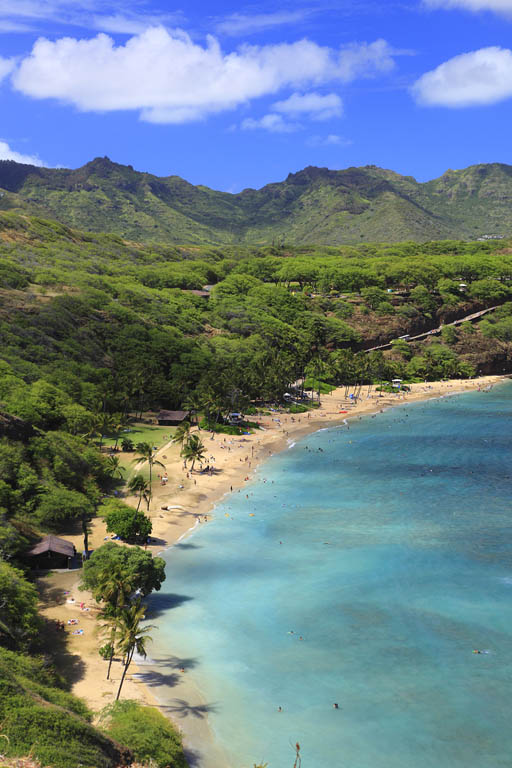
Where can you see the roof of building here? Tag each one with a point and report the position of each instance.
(53, 544)
(172, 415)
(202, 294)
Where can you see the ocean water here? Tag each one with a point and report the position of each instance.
(388, 548)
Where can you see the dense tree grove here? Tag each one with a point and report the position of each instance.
(95, 330)
(93, 325)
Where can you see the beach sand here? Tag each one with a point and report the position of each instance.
(186, 500)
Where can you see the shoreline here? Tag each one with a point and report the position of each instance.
(177, 511)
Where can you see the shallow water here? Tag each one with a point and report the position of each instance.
(395, 563)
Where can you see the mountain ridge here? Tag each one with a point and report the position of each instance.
(313, 205)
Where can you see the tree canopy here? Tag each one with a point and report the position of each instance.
(143, 571)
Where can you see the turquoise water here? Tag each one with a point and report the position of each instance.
(395, 563)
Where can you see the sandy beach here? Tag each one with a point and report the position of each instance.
(186, 500)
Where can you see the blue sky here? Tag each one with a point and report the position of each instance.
(235, 95)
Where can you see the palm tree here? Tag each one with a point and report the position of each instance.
(106, 424)
(193, 450)
(194, 404)
(138, 485)
(182, 433)
(113, 588)
(146, 453)
(118, 424)
(213, 407)
(114, 468)
(93, 429)
(85, 531)
(317, 368)
(132, 637)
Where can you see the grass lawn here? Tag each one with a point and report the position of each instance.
(325, 388)
(140, 433)
(149, 433)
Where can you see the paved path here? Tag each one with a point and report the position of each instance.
(436, 331)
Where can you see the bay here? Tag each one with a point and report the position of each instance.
(387, 548)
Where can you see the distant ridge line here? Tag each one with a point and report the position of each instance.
(311, 206)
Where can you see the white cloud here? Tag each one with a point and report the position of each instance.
(365, 59)
(499, 6)
(480, 77)
(133, 24)
(107, 15)
(332, 140)
(7, 26)
(43, 9)
(172, 79)
(6, 153)
(314, 105)
(271, 122)
(241, 24)
(6, 66)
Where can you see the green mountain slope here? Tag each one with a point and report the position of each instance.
(315, 205)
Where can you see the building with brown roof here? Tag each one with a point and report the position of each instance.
(171, 418)
(51, 552)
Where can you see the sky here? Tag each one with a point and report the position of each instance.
(234, 95)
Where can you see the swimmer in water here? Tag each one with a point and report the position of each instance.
(335, 706)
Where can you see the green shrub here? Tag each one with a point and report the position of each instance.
(124, 521)
(146, 732)
(296, 408)
(19, 623)
(449, 334)
(408, 311)
(385, 308)
(230, 429)
(325, 388)
(39, 718)
(105, 651)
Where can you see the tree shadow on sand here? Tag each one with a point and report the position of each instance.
(181, 708)
(153, 676)
(194, 759)
(55, 643)
(50, 594)
(154, 679)
(156, 542)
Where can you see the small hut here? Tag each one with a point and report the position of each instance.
(171, 418)
(51, 552)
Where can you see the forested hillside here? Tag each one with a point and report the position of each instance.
(111, 324)
(95, 328)
(316, 205)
